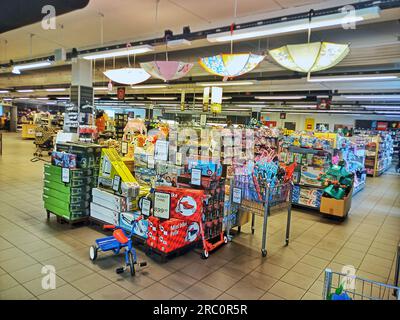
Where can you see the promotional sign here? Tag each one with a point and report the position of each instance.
(237, 195)
(161, 150)
(216, 99)
(206, 98)
(146, 206)
(124, 147)
(65, 175)
(162, 205)
(196, 177)
(116, 183)
(309, 124)
(382, 126)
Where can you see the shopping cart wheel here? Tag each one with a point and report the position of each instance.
(264, 253)
(93, 252)
(205, 254)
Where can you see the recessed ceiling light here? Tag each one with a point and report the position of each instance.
(150, 86)
(373, 97)
(56, 89)
(280, 97)
(360, 78)
(162, 98)
(118, 52)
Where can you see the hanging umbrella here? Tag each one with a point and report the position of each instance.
(310, 57)
(167, 70)
(231, 65)
(128, 76)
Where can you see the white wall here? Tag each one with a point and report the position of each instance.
(331, 119)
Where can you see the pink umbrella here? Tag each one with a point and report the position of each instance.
(167, 70)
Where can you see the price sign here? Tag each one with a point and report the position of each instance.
(161, 150)
(150, 162)
(65, 175)
(196, 177)
(106, 166)
(162, 205)
(146, 205)
(203, 120)
(237, 195)
(178, 159)
(124, 147)
(116, 183)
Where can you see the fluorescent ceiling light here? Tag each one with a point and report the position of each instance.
(178, 42)
(373, 97)
(62, 98)
(118, 52)
(7, 99)
(42, 98)
(51, 103)
(223, 98)
(56, 89)
(25, 90)
(342, 18)
(4, 91)
(383, 107)
(34, 65)
(100, 88)
(223, 83)
(23, 98)
(150, 86)
(280, 97)
(360, 78)
(162, 98)
(305, 106)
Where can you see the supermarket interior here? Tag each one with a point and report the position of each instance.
(199, 150)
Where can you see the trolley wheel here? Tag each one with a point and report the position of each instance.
(264, 253)
(225, 239)
(93, 252)
(205, 254)
(131, 264)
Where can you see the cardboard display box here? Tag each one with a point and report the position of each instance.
(103, 214)
(111, 201)
(140, 228)
(338, 208)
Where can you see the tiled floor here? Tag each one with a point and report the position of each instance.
(366, 240)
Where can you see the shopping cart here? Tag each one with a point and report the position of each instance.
(342, 286)
(44, 140)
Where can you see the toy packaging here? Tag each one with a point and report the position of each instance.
(172, 235)
(167, 174)
(140, 229)
(104, 214)
(113, 202)
(64, 160)
(152, 231)
(186, 204)
(208, 167)
(87, 154)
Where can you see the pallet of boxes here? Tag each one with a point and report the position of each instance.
(69, 179)
(116, 199)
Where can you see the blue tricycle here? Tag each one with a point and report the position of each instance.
(116, 242)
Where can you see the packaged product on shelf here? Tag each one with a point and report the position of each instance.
(172, 235)
(167, 174)
(113, 202)
(104, 214)
(87, 154)
(141, 227)
(63, 159)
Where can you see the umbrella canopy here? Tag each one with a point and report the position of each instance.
(231, 65)
(310, 57)
(167, 70)
(127, 75)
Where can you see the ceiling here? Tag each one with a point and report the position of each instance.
(375, 45)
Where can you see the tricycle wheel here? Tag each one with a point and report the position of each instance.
(204, 254)
(264, 253)
(225, 239)
(93, 252)
(131, 263)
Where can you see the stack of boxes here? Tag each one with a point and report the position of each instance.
(120, 122)
(67, 194)
(117, 205)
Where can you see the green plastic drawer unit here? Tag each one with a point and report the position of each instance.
(66, 188)
(67, 197)
(69, 215)
(65, 205)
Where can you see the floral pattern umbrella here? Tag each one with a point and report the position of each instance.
(167, 70)
(231, 65)
(310, 57)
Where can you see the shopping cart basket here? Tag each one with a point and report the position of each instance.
(342, 286)
(44, 137)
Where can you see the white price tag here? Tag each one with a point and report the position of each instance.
(162, 204)
(237, 195)
(203, 120)
(65, 175)
(196, 177)
(146, 205)
(161, 150)
(106, 166)
(116, 183)
(124, 147)
(178, 159)
(150, 162)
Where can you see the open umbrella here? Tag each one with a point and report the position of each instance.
(167, 70)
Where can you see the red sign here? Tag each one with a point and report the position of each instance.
(121, 93)
(382, 126)
(270, 124)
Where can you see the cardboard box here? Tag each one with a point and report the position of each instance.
(111, 201)
(104, 214)
(186, 204)
(152, 231)
(338, 208)
(172, 235)
(140, 229)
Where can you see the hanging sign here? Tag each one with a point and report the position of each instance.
(206, 98)
(237, 195)
(309, 124)
(183, 101)
(196, 177)
(216, 99)
(162, 204)
(65, 175)
(121, 93)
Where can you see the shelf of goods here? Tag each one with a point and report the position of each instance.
(120, 122)
(379, 152)
(69, 179)
(314, 154)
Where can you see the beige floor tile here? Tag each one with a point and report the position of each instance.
(219, 280)
(270, 296)
(245, 290)
(298, 280)
(35, 286)
(317, 287)
(74, 272)
(29, 273)
(66, 292)
(311, 296)
(157, 291)
(226, 296)
(7, 282)
(323, 254)
(110, 292)
(314, 261)
(16, 293)
(272, 270)
(90, 283)
(202, 291)
(286, 291)
(178, 281)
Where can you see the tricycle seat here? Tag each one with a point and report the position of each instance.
(120, 236)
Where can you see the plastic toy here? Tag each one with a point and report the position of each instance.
(115, 243)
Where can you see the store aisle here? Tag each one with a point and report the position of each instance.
(367, 240)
